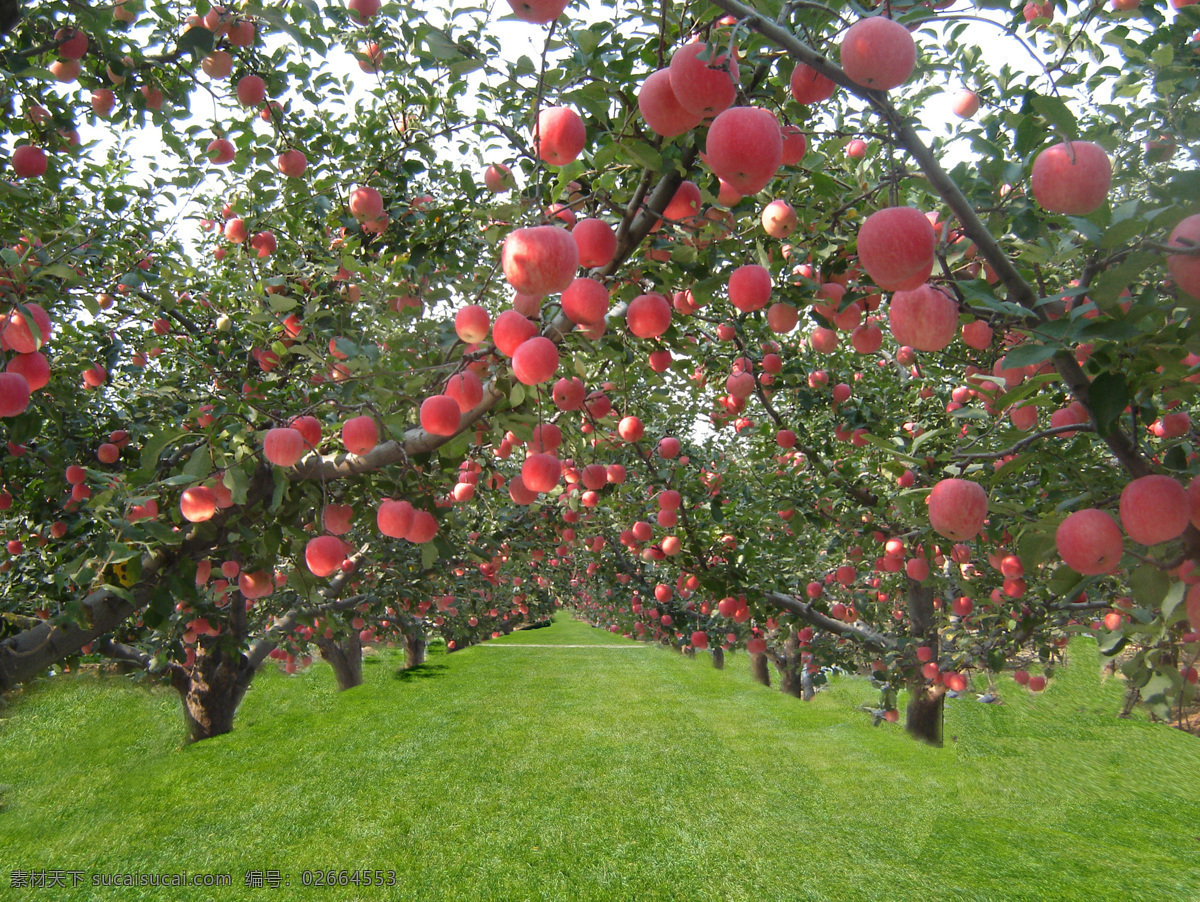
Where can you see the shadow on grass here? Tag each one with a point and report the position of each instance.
(420, 672)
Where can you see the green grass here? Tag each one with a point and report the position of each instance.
(601, 774)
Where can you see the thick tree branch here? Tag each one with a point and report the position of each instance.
(856, 632)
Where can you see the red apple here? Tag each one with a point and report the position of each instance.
(661, 108)
(472, 323)
(596, 242)
(585, 301)
(878, 53)
(795, 145)
(965, 104)
(896, 247)
(363, 11)
(324, 555)
(360, 434)
(198, 504)
(535, 360)
(540, 259)
(925, 319)
(957, 509)
(366, 204)
(283, 446)
(292, 163)
(1154, 509)
(703, 78)
(466, 389)
(809, 86)
(28, 161)
(1072, 177)
(648, 315)
(537, 12)
(750, 287)
(745, 148)
(1185, 268)
(251, 90)
(510, 330)
(559, 136)
(394, 518)
(498, 178)
(541, 472)
(221, 151)
(14, 394)
(440, 415)
(779, 219)
(568, 394)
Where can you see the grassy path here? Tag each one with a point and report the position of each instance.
(582, 773)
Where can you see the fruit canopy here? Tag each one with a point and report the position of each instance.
(246, 222)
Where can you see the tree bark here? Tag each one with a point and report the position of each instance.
(345, 657)
(759, 669)
(923, 717)
(790, 682)
(718, 658)
(211, 690)
(414, 645)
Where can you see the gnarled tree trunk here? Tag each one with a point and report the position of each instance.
(211, 689)
(718, 657)
(923, 717)
(345, 657)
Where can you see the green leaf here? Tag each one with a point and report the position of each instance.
(1029, 354)
(1149, 585)
(200, 464)
(429, 555)
(1176, 595)
(1056, 112)
(237, 480)
(1109, 396)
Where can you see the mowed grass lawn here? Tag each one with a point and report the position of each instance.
(512, 772)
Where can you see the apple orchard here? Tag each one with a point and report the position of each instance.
(420, 323)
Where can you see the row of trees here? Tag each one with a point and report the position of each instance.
(806, 374)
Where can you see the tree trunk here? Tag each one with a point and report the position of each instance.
(414, 647)
(759, 669)
(790, 682)
(689, 651)
(806, 685)
(211, 690)
(345, 657)
(718, 656)
(923, 718)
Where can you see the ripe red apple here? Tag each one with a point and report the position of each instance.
(977, 334)
(745, 148)
(28, 161)
(878, 53)
(440, 415)
(896, 247)
(336, 518)
(217, 65)
(498, 178)
(73, 43)
(1185, 268)
(867, 338)
(251, 90)
(472, 323)
(1089, 542)
(684, 205)
(360, 434)
(540, 259)
(750, 287)
(394, 518)
(363, 11)
(568, 394)
(1072, 177)
(324, 555)
(795, 145)
(559, 135)
(258, 584)
(585, 301)
(221, 151)
(466, 389)
(1154, 509)
(263, 243)
(630, 428)
(957, 509)
(510, 330)
(17, 334)
(283, 446)
(292, 163)
(925, 319)
(703, 78)
(782, 318)
(198, 504)
(809, 86)
(537, 12)
(107, 453)
(648, 315)
(103, 101)
(596, 242)
(366, 204)
(661, 108)
(965, 104)
(779, 219)
(240, 33)
(535, 360)
(14, 394)
(668, 449)
(541, 472)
